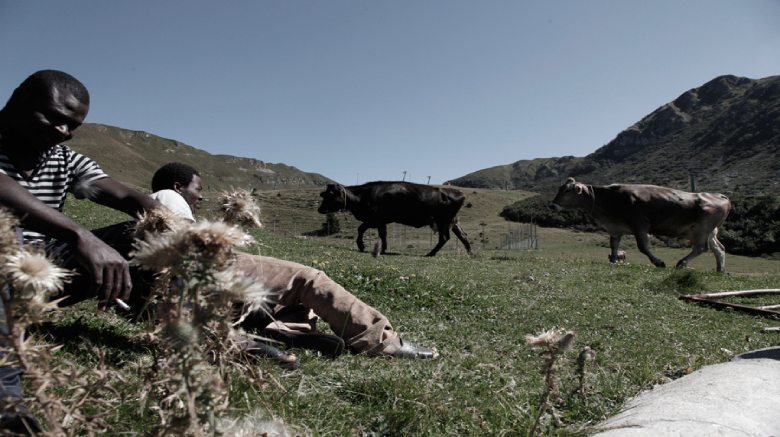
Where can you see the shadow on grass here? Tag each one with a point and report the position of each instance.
(678, 282)
(119, 348)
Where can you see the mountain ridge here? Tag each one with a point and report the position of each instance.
(725, 134)
(133, 156)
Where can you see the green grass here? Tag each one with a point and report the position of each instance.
(476, 311)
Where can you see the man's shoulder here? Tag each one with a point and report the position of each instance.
(174, 202)
(166, 194)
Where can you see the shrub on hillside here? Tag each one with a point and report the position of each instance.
(752, 228)
(537, 210)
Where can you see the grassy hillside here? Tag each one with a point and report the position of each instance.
(133, 156)
(476, 310)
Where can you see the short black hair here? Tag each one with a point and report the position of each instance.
(170, 173)
(40, 84)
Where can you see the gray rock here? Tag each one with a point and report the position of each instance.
(737, 398)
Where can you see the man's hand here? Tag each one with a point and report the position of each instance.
(110, 272)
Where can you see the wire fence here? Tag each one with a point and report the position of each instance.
(522, 236)
(517, 236)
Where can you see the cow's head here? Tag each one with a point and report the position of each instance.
(572, 194)
(334, 198)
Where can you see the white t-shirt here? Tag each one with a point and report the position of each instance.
(174, 202)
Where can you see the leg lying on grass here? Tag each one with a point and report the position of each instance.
(362, 327)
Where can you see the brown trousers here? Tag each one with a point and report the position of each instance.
(363, 328)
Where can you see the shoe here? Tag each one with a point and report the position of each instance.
(285, 360)
(406, 349)
(328, 345)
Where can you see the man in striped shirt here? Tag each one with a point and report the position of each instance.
(36, 172)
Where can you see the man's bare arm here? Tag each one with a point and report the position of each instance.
(36, 215)
(110, 272)
(114, 194)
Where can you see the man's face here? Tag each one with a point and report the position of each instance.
(191, 193)
(49, 120)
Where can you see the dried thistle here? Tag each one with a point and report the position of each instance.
(553, 343)
(156, 222)
(197, 291)
(238, 207)
(181, 334)
(544, 339)
(256, 424)
(586, 355)
(253, 295)
(34, 277)
(209, 244)
(8, 223)
(61, 390)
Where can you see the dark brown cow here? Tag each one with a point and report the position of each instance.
(650, 209)
(376, 204)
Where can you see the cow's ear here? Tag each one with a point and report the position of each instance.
(582, 188)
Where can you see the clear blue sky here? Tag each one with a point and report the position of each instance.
(365, 90)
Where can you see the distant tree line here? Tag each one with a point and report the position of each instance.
(752, 228)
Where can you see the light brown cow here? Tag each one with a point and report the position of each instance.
(649, 209)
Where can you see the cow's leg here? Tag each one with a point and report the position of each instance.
(361, 230)
(458, 231)
(614, 246)
(643, 245)
(718, 250)
(382, 229)
(444, 236)
(699, 245)
(697, 248)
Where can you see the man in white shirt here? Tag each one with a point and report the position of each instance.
(363, 328)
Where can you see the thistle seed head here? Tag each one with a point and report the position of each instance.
(181, 334)
(208, 243)
(156, 222)
(34, 276)
(554, 339)
(238, 207)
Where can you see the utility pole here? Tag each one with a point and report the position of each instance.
(429, 180)
(404, 179)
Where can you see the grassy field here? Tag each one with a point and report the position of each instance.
(476, 310)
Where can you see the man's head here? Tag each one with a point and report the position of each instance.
(44, 111)
(183, 179)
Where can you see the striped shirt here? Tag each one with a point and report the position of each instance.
(58, 172)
